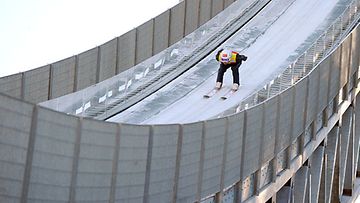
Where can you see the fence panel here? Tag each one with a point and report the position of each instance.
(217, 7)
(163, 163)
(345, 61)
(324, 71)
(191, 15)
(87, 68)
(355, 51)
(108, 60)
(270, 125)
(161, 31)
(144, 41)
(190, 162)
(357, 133)
(300, 107)
(36, 84)
(52, 163)
(234, 148)
(11, 85)
(126, 51)
(227, 3)
(132, 162)
(312, 100)
(94, 173)
(177, 22)
(15, 129)
(285, 119)
(213, 156)
(205, 11)
(252, 140)
(62, 77)
(334, 74)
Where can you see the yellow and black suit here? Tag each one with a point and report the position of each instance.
(234, 63)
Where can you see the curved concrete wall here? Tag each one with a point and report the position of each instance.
(117, 55)
(47, 156)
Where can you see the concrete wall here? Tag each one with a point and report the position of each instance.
(48, 156)
(113, 57)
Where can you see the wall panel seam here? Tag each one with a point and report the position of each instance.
(22, 94)
(148, 165)
(51, 82)
(115, 164)
(177, 163)
(75, 164)
(76, 73)
(29, 155)
(98, 64)
(201, 165)
(117, 56)
(224, 158)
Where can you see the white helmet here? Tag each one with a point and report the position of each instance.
(225, 56)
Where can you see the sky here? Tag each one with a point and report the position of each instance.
(34, 33)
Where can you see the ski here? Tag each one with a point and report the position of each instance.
(228, 94)
(211, 93)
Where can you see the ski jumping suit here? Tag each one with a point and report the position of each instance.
(234, 63)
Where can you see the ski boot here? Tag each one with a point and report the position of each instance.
(235, 87)
(218, 85)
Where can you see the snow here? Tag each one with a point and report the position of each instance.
(268, 40)
(182, 100)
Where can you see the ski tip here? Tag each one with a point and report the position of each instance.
(206, 96)
(223, 98)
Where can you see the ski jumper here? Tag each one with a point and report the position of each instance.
(234, 63)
